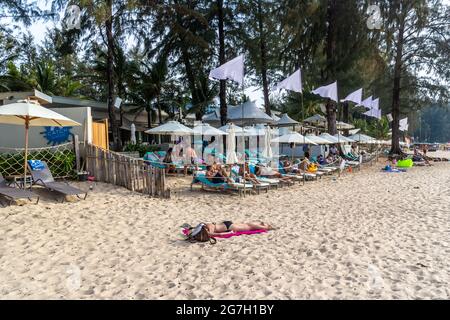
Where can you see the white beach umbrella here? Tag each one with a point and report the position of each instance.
(318, 139)
(285, 120)
(316, 119)
(329, 137)
(267, 152)
(248, 113)
(205, 129)
(252, 132)
(343, 139)
(237, 130)
(31, 114)
(344, 126)
(293, 137)
(231, 146)
(362, 138)
(171, 128)
(133, 133)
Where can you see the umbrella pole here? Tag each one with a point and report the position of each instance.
(27, 124)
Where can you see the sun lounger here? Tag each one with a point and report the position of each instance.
(205, 182)
(12, 193)
(274, 183)
(154, 160)
(43, 177)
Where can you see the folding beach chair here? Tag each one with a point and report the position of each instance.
(12, 193)
(43, 177)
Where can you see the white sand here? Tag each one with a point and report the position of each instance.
(367, 235)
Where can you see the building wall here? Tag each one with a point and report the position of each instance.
(13, 136)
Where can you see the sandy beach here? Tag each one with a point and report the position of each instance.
(366, 235)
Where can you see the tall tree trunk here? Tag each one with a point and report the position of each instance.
(331, 117)
(262, 46)
(345, 115)
(110, 79)
(345, 112)
(330, 53)
(191, 79)
(159, 109)
(223, 85)
(396, 90)
(149, 116)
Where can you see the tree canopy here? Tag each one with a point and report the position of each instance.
(157, 54)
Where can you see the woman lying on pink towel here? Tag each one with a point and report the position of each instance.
(226, 229)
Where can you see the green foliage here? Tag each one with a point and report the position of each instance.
(141, 148)
(61, 162)
(177, 45)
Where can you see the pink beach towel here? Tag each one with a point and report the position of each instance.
(232, 234)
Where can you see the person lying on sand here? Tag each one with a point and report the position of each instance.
(205, 232)
(228, 226)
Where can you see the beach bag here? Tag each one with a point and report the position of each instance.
(200, 234)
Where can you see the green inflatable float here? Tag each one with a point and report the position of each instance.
(407, 163)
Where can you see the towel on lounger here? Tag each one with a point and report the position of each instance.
(36, 165)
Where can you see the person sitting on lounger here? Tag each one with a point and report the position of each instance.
(418, 157)
(321, 160)
(217, 174)
(168, 161)
(248, 176)
(303, 166)
(333, 150)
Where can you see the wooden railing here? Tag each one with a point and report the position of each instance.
(122, 170)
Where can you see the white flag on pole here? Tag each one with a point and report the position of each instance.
(404, 124)
(373, 113)
(355, 97)
(389, 117)
(367, 103)
(117, 102)
(376, 104)
(232, 70)
(292, 83)
(329, 91)
(378, 114)
(369, 113)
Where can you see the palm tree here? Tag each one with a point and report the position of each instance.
(148, 85)
(45, 77)
(379, 129)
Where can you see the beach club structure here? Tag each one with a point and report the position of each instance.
(69, 137)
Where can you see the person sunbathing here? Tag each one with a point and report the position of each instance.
(217, 174)
(271, 173)
(248, 176)
(225, 227)
(303, 166)
(419, 157)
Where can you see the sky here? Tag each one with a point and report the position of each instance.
(38, 30)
